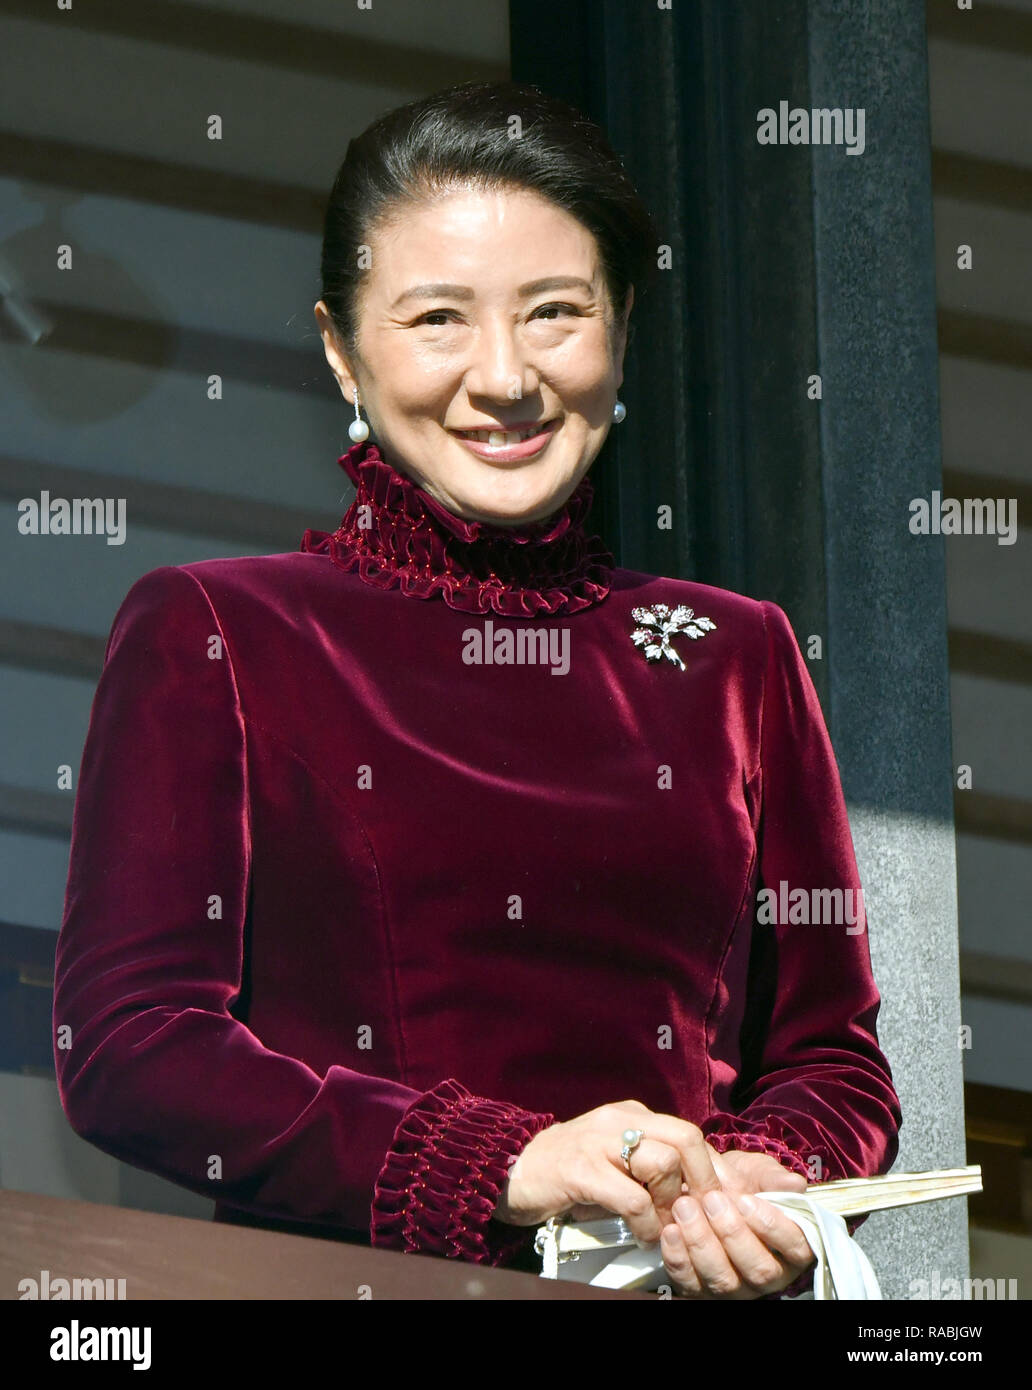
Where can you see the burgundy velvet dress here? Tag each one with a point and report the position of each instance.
(391, 851)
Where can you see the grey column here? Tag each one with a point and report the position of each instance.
(886, 598)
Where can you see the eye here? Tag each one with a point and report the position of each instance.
(569, 308)
(439, 314)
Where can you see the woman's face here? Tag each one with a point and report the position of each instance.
(458, 330)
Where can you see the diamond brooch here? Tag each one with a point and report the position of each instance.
(659, 623)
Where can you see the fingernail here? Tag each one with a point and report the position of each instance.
(715, 1203)
(746, 1203)
(684, 1211)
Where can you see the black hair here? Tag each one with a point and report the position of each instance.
(465, 135)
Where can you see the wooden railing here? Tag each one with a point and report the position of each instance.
(46, 1239)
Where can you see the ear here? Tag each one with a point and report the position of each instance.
(339, 364)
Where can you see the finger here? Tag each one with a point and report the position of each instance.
(658, 1167)
(678, 1263)
(696, 1155)
(717, 1275)
(610, 1187)
(776, 1230)
(758, 1266)
(727, 1174)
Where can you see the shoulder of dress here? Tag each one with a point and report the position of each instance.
(634, 588)
(286, 583)
(263, 577)
(245, 569)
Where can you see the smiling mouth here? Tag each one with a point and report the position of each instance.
(500, 439)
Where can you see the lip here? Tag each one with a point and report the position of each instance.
(512, 453)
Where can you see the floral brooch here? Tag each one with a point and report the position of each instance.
(659, 623)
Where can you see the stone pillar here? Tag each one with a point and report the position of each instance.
(888, 675)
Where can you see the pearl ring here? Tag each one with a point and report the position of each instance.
(631, 1138)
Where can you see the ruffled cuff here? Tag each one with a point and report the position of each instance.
(773, 1135)
(444, 1173)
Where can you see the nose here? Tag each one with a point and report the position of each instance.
(499, 368)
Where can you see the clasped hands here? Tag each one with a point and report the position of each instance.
(718, 1241)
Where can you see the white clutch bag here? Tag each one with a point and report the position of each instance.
(604, 1253)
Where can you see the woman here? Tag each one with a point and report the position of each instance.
(372, 923)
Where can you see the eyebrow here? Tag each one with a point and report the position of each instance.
(551, 282)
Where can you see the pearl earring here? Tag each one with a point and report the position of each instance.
(619, 413)
(358, 429)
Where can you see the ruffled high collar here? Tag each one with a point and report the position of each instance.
(410, 540)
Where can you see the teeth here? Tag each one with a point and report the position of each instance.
(499, 439)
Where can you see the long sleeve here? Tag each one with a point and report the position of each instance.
(815, 1091)
(152, 1065)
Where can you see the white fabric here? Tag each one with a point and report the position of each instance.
(842, 1271)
